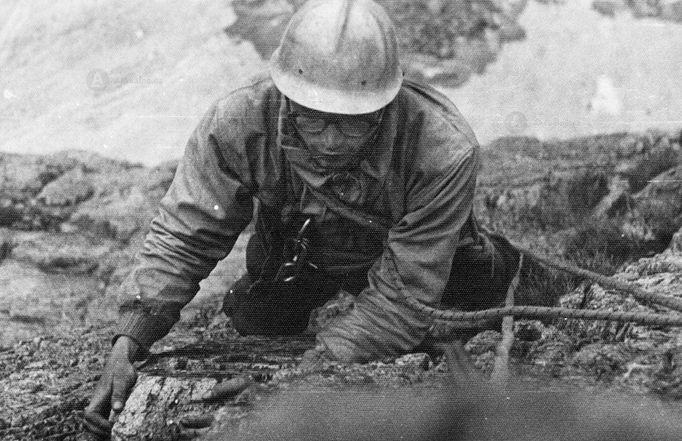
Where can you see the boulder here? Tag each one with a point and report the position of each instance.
(69, 189)
(23, 176)
(61, 252)
(665, 188)
(119, 215)
(658, 206)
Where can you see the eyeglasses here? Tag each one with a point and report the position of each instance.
(354, 126)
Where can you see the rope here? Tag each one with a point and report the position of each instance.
(607, 282)
(500, 374)
(482, 319)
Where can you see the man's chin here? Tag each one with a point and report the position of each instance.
(335, 162)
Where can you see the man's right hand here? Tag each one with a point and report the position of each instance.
(114, 386)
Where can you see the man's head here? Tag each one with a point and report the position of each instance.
(339, 56)
(338, 66)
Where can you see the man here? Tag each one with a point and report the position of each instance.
(364, 181)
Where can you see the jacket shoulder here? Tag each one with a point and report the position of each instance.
(435, 106)
(242, 127)
(246, 106)
(438, 134)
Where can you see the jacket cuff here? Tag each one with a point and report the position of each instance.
(145, 329)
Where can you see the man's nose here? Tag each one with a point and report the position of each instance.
(331, 135)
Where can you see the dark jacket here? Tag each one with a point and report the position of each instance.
(419, 176)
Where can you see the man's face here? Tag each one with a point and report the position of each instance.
(335, 141)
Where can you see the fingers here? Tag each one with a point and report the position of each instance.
(123, 383)
(194, 426)
(228, 389)
(190, 434)
(197, 421)
(97, 424)
(97, 412)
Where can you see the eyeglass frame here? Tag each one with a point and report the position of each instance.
(373, 123)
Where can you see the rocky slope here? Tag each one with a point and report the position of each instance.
(72, 222)
(70, 225)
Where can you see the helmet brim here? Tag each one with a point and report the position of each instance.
(328, 100)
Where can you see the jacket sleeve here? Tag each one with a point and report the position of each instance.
(416, 261)
(200, 217)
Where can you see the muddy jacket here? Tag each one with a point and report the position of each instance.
(418, 176)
